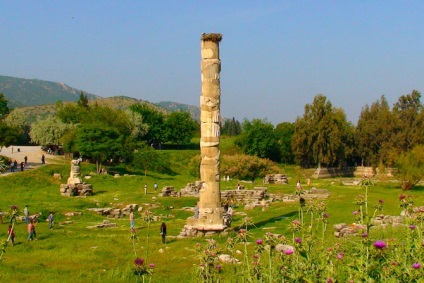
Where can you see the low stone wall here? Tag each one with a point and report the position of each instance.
(380, 221)
(276, 179)
(82, 189)
(245, 196)
(313, 193)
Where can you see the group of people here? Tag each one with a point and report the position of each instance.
(132, 226)
(31, 223)
(155, 186)
(14, 165)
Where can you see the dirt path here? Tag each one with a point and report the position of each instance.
(33, 153)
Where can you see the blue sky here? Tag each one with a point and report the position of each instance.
(276, 55)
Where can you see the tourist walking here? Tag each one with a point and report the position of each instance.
(43, 159)
(132, 222)
(26, 214)
(50, 218)
(31, 231)
(11, 235)
(15, 165)
(163, 232)
(230, 213)
(155, 186)
(26, 159)
(145, 188)
(22, 166)
(12, 167)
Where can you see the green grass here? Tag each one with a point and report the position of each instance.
(74, 253)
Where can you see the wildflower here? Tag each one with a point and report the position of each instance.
(364, 235)
(340, 256)
(416, 265)
(298, 240)
(402, 197)
(412, 227)
(138, 262)
(14, 207)
(218, 266)
(330, 280)
(259, 241)
(394, 263)
(380, 201)
(379, 244)
(288, 251)
(152, 265)
(355, 212)
(256, 256)
(325, 215)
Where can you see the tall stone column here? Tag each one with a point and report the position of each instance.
(210, 210)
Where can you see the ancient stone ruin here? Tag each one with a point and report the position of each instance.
(210, 211)
(74, 185)
(276, 179)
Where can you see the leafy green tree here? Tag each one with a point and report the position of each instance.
(374, 131)
(151, 160)
(179, 128)
(408, 114)
(16, 119)
(154, 119)
(258, 139)
(70, 113)
(99, 142)
(247, 167)
(83, 101)
(8, 135)
(284, 134)
(4, 110)
(231, 128)
(137, 127)
(410, 167)
(319, 136)
(48, 131)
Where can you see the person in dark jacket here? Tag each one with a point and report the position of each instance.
(163, 232)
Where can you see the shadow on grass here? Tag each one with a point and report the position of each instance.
(268, 221)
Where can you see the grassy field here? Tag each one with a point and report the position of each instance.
(71, 252)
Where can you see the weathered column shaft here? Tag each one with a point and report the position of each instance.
(210, 211)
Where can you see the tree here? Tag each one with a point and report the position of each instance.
(8, 135)
(16, 119)
(374, 132)
(70, 113)
(179, 128)
(284, 134)
(48, 131)
(83, 101)
(99, 142)
(231, 128)
(4, 110)
(320, 134)
(247, 167)
(410, 167)
(408, 115)
(258, 138)
(154, 119)
(149, 159)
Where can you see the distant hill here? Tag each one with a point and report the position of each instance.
(29, 92)
(173, 106)
(37, 98)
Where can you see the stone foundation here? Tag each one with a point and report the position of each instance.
(276, 179)
(82, 189)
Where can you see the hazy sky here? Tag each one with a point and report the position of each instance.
(276, 55)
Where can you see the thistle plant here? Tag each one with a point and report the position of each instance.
(13, 214)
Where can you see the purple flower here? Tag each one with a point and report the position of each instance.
(379, 244)
(256, 256)
(402, 197)
(380, 201)
(218, 266)
(364, 235)
(138, 261)
(288, 251)
(340, 256)
(14, 207)
(412, 227)
(355, 212)
(416, 265)
(325, 215)
(152, 265)
(298, 240)
(330, 280)
(259, 241)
